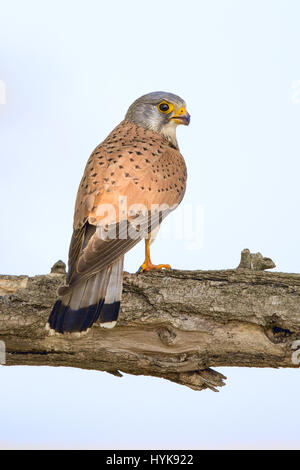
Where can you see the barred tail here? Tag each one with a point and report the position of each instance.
(81, 306)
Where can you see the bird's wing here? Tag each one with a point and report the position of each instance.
(133, 179)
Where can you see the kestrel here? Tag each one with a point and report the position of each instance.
(132, 180)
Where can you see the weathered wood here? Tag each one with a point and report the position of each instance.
(174, 325)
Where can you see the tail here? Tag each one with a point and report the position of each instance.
(95, 298)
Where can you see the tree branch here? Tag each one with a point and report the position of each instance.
(174, 324)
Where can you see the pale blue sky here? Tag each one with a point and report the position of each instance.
(71, 70)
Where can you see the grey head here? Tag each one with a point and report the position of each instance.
(161, 112)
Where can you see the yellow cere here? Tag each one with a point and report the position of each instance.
(180, 112)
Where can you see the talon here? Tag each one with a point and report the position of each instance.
(151, 267)
(147, 264)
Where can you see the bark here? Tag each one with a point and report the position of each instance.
(173, 324)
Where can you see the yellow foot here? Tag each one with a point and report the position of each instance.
(148, 266)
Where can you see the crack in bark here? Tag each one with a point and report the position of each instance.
(39, 353)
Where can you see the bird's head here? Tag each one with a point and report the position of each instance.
(161, 112)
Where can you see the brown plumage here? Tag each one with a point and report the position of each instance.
(133, 165)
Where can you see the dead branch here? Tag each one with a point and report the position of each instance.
(173, 324)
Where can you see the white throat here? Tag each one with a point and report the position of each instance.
(169, 132)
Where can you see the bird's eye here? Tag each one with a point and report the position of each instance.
(165, 107)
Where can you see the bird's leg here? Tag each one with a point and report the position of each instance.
(147, 264)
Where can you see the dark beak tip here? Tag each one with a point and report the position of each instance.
(188, 119)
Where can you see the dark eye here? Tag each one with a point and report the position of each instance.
(164, 107)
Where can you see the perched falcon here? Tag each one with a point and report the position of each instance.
(132, 180)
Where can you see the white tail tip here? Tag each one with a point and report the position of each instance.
(109, 324)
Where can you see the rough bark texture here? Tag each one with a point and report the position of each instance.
(173, 324)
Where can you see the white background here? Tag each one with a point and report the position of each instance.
(71, 69)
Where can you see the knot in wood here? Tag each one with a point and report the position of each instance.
(255, 261)
(167, 335)
(277, 334)
(59, 268)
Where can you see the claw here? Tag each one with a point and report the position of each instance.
(151, 267)
(147, 264)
